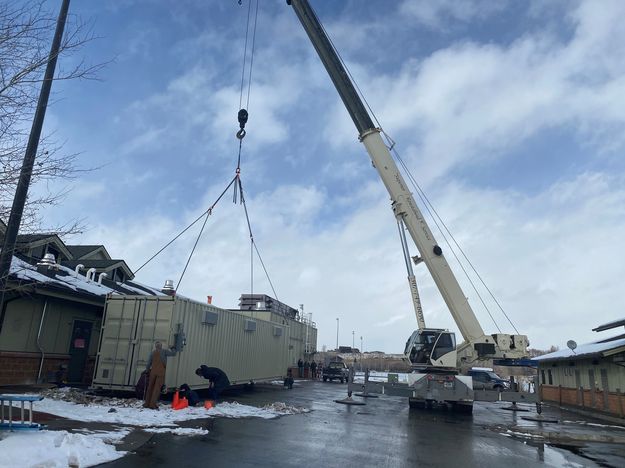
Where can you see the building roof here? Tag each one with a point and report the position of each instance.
(80, 251)
(102, 265)
(602, 348)
(610, 325)
(64, 280)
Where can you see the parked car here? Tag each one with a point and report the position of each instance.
(335, 370)
(486, 379)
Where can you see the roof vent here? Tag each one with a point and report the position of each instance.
(169, 288)
(47, 260)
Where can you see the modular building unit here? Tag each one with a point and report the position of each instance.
(246, 349)
(302, 337)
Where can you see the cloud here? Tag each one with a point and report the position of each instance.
(436, 15)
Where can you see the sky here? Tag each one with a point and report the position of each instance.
(510, 115)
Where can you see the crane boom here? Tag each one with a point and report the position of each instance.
(404, 205)
(477, 345)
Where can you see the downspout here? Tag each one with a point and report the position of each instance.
(43, 354)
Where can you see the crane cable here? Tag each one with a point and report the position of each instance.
(426, 201)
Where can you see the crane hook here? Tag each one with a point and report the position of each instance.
(242, 117)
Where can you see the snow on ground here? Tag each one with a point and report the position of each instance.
(585, 423)
(130, 412)
(186, 431)
(52, 449)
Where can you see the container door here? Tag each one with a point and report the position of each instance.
(118, 329)
(154, 323)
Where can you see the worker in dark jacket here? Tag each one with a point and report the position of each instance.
(157, 363)
(218, 380)
(190, 395)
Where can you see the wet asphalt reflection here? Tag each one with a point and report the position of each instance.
(384, 433)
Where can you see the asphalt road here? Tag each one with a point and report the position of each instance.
(384, 433)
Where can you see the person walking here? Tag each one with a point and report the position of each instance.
(313, 370)
(156, 366)
(300, 367)
(306, 370)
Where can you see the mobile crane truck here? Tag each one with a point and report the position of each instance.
(436, 361)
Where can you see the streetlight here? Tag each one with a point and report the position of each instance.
(353, 340)
(337, 333)
(361, 350)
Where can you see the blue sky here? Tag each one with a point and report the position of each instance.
(509, 114)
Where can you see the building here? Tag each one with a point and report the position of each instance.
(55, 303)
(590, 376)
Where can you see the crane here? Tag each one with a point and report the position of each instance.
(433, 352)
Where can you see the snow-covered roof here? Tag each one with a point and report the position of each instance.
(597, 348)
(63, 277)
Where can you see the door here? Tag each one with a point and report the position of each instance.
(79, 350)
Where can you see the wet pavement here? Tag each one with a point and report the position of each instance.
(384, 433)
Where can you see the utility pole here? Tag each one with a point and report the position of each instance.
(21, 192)
(361, 348)
(337, 333)
(353, 340)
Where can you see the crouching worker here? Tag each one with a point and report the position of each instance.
(217, 380)
(190, 395)
(288, 381)
(157, 364)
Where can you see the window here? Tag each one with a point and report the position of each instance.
(542, 377)
(550, 375)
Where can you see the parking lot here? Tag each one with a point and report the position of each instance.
(384, 433)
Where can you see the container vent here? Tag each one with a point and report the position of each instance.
(250, 325)
(210, 318)
(277, 331)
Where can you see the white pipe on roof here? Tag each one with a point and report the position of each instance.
(90, 274)
(79, 267)
(102, 275)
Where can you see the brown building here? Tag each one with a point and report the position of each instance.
(589, 376)
(53, 307)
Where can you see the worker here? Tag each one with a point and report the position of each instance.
(300, 367)
(157, 363)
(190, 395)
(313, 370)
(217, 380)
(288, 381)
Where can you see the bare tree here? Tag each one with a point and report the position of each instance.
(26, 30)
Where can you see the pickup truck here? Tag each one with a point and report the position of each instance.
(335, 370)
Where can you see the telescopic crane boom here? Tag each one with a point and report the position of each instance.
(422, 345)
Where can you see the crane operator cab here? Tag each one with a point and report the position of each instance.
(431, 347)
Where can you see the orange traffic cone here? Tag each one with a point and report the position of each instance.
(179, 403)
(208, 404)
(183, 403)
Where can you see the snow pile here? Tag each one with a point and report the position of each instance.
(271, 411)
(82, 406)
(131, 414)
(525, 435)
(282, 409)
(58, 449)
(186, 431)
